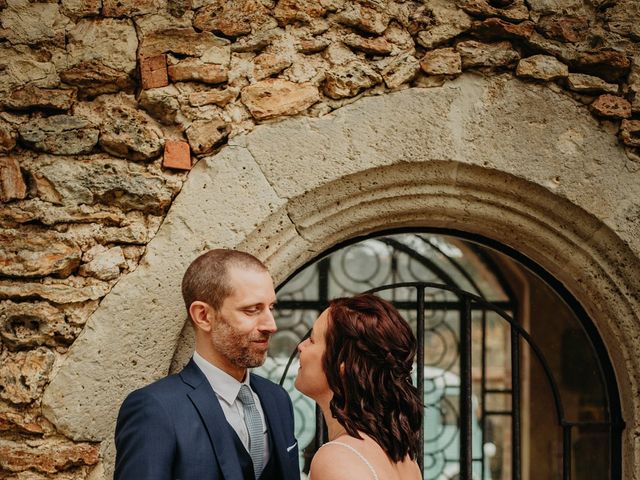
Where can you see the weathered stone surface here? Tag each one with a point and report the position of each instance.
(444, 61)
(181, 41)
(213, 97)
(8, 137)
(12, 186)
(23, 421)
(257, 42)
(205, 135)
(37, 210)
(37, 254)
(31, 97)
(303, 11)
(564, 29)
(553, 6)
(103, 263)
(127, 132)
(313, 45)
(268, 64)
(153, 71)
(70, 290)
(196, 70)
(350, 79)
(611, 106)
(630, 132)
(59, 134)
(109, 41)
(276, 97)
(580, 82)
(623, 17)
(363, 18)
(443, 22)
(233, 18)
(479, 54)
(32, 23)
(47, 457)
(94, 78)
(372, 46)
(162, 104)
(498, 29)
(20, 65)
(400, 71)
(102, 179)
(32, 324)
(610, 65)
(542, 67)
(23, 377)
(80, 8)
(516, 11)
(339, 54)
(130, 8)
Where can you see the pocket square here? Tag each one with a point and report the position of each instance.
(292, 447)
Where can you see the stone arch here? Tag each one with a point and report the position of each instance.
(521, 165)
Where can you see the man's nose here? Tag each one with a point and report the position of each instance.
(268, 323)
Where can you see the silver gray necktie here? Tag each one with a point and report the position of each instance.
(254, 427)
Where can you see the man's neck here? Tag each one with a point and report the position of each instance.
(223, 364)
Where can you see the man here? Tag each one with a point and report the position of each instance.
(214, 420)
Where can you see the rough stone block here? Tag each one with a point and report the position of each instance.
(198, 71)
(162, 104)
(7, 137)
(350, 79)
(94, 78)
(363, 18)
(153, 71)
(71, 290)
(33, 23)
(12, 186)
(31, 97)
(46, 456)
(479, 54)
(564, 29)
(276, 97)
(234, 18)
(401, 71)
(580, 82)
(59, 134)
(129, 8)
(213, 97)
(205, 135)
(542, 67)
(611, 106)
(630, 132)
(38, 254)
(23, 376)
(177, 154)
(498, 29)
(268, 64)
(181, 41)
(105, 265)
(515, 11)
(610, 65)
(373, 46)
(444, 61)
(303, 11)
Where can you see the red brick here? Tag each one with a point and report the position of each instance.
(177, 154)
(153, 71)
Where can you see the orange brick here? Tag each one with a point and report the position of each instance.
(153, 71)
(177, 155)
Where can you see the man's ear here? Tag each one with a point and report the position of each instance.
(202, 315)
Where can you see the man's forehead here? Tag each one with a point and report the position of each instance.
(243, 279)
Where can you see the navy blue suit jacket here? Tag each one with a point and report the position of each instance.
(176, 429)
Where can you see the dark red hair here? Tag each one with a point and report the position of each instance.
(373, 392)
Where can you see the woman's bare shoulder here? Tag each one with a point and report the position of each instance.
(334, 462)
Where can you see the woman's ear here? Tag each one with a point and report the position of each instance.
(201, 315)
(341, 369)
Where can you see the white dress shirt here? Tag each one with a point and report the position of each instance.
(226, 389)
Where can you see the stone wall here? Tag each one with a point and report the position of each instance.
(105, 106)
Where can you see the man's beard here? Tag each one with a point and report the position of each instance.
(238, 348)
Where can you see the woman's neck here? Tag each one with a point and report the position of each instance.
(334, 428)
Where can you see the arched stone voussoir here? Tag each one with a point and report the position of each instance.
(130, 339)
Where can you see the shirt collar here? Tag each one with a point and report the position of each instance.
(223, 384)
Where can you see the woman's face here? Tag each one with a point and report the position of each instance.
(311, 379)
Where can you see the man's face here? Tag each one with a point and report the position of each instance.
(242, 327)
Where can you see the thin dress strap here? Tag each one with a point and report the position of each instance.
(335, 442)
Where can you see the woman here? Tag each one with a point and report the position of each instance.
(356, 365)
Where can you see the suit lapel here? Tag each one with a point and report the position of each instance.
(208, 406)
(274, 423)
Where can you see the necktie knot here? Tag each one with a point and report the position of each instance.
(245, 396)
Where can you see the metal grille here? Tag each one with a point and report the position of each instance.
(442, 313)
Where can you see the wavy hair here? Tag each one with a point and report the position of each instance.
(369, 355)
